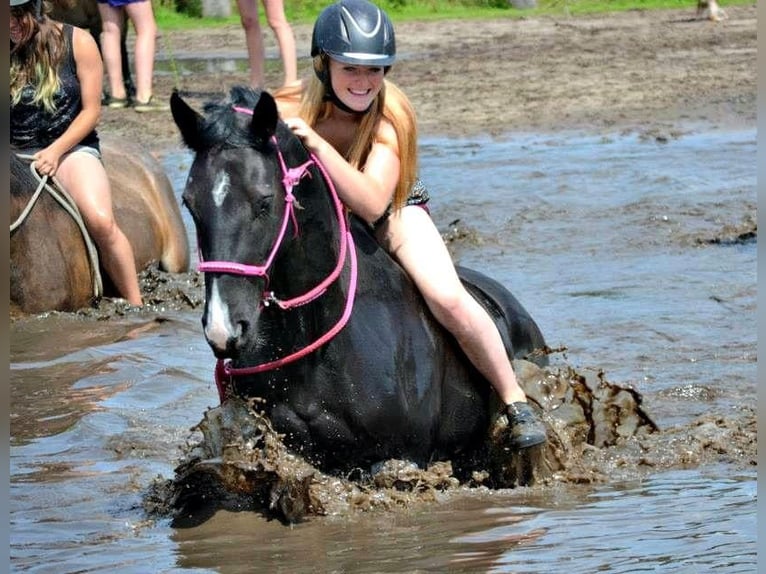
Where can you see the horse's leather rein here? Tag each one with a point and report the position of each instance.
(290, 178)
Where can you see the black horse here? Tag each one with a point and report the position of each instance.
(307, 312)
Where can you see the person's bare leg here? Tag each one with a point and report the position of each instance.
(111, 19)
(84, 178)
(416, 243)
(248, 15)
(413, 240)
(275, 15)
(142, 16)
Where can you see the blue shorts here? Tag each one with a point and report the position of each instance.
(119, 3)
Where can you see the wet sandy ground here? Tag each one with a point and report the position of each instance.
(638, 69)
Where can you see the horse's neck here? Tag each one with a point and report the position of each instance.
(314, 247)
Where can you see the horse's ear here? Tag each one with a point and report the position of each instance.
(187, 120)
(265, 118)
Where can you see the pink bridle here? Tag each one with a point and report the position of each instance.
(290, 178)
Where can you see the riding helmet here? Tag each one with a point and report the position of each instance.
(354, 32)
(38, 6)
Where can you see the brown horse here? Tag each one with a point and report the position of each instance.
(50, 266)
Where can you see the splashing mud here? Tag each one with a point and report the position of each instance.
(240, 462)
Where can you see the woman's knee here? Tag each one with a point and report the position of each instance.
(249, 23)
(276, 22)
(449, 306)
(142, 15)
(111, 30)
(146, 28)
(103, 227)
(248, 15)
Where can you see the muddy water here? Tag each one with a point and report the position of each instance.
(628, 250)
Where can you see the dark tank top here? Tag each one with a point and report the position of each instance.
(32, 126)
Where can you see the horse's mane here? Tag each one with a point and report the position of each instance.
(225, 127)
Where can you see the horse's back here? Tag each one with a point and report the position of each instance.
(49, 262)
(145, 206)
(48, 257)
(443, 403)
(520, 333)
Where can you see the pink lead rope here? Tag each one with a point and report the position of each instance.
(291, 177)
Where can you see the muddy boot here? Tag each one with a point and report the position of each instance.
(524, 428)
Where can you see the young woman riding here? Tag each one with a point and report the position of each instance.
(55, 89)
(363, 129)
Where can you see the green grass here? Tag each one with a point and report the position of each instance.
(305, 11)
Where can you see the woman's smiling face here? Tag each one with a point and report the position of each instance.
(16, 30)
(355, 85)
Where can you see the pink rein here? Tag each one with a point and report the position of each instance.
(290, 178)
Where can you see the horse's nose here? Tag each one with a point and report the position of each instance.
(223, 332)
(225, 344)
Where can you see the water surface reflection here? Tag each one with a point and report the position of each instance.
(604, 239)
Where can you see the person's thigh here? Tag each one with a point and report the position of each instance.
(275, 12)
(142, 15)
(111, 17)
(248, 10)
(413, 239)
(84, 178)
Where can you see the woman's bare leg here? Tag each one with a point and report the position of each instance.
(275, 15)
(111, 21)
(248, 15)
(412, 238)
(84, 178)
(142, 16)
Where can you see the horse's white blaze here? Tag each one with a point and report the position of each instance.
(220, 188)
(218, 327)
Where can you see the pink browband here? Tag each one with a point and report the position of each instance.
(290, 178)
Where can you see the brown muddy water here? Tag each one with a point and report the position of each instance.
(634, 251)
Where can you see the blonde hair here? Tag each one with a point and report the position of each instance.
(393, 105)
(36, 58)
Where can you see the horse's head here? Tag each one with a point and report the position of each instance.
(244, 218)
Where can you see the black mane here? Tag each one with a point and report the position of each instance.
(225, 127)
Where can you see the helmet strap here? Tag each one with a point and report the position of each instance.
(331, 96)
(322, 71)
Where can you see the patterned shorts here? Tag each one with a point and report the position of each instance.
(418, 196)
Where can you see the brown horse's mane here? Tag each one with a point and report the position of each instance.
(22, 181)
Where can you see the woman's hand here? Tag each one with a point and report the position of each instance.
(47, 161)
(312, 140)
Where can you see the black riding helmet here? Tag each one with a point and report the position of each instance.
(354, 32)
(38, 6)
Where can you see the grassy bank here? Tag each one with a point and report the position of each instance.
(305, 11)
